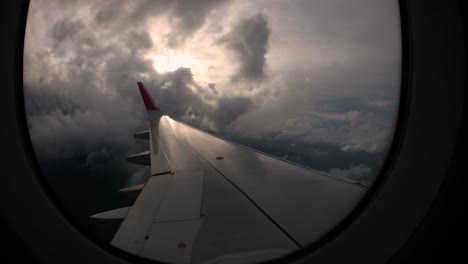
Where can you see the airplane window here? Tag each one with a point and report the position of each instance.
(211, 131)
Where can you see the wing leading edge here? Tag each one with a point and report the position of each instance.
(247, 206)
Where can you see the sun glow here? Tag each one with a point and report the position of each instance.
(167, 63)
(203, 70)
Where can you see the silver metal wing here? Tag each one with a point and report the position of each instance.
(213, 201)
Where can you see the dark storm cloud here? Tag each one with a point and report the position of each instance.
(190, 16)
(65, 28)
(80, 96)
(212, 87)
(139, 41)
(249, 41)
(175, 91)
(182, 98)
(44, 103)
(229, 109)
(65, 128)
(121, 15)
(186, 17)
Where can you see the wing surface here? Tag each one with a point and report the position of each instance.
(210, 200)
(303, 202)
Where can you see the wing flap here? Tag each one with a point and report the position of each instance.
(183, 198)
(133, 230)
(172, 242)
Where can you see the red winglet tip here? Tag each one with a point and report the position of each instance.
(146, 98)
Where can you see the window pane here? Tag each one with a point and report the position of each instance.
(311, 88)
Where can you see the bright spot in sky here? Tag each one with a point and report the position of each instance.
(166, 63)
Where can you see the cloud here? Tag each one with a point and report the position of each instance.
(351, 123)
(212, 87)
(98, 158)
(357, 172)
(249, 41)
(178, 92)
(139, 41)
(80, 77)
(65, 129)
(81, 96)
(188, 17)
(229, 109)
(185, 17)
(64, 29)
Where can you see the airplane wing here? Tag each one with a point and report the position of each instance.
(213, 201)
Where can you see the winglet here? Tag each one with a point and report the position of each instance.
(147, 99)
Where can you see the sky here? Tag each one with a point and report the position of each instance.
(315, 82)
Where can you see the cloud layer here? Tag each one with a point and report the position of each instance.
(249, 41)
(318, 88)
